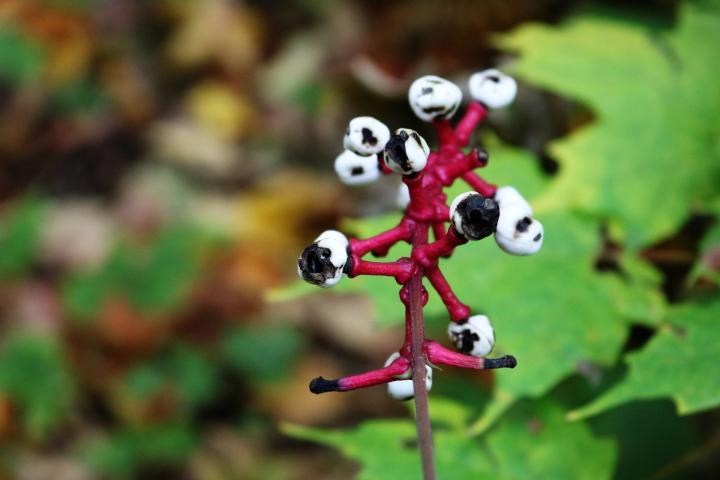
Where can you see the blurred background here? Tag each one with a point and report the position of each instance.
(162, 164)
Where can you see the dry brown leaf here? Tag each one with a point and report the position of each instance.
(219, 31)
(220, 109)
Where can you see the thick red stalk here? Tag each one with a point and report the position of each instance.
(380, 243)
(479, 185)
(474, 114)
(458, 311)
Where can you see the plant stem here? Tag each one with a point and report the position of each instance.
(422, 412)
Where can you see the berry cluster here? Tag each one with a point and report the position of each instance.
(371, 150)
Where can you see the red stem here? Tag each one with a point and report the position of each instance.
(382, 242)
(458, 311)
(479, 185)
(401, 270)
(474, 114)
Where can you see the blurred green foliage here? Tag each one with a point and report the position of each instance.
(262, 353)
(123, 453)
(190, 377)
(20, 60)
(19, 236)
(35, 377)
(154, 278)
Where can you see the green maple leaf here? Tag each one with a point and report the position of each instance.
(534, 441)
(652, 152)
(673, 364)
(387, 449)
(531, 442)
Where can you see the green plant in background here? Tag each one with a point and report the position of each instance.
(36, 381)
(261, 354)
(19, 236)
(648, 160)
(154, 278)
(126, 450)
(20, 59)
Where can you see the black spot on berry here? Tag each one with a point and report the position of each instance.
(430, 110)
(349, 263)
(368, 137)
(416, 137)
(537, 237)
(357, 171)
(447, 112)
(426, 91)
(467, 341)
(479, 216)
(523, 224)
(315, 264)
(494, 78)
(395, 152)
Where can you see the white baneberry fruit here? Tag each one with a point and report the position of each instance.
(492, 88)
(509, 197)
(434, 98)
(406, 152)
(354, 169)
(518, 233)
(324, 261)
(403, 389)
(475, 336)
(403, 196)
(366, 136)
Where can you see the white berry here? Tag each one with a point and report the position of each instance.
(403, 389)
(406, 152)
(492, 88)
(518, 233)
(354, 169)
(324, 261)
(366, 136)
(403, 196)
(434, 98)
(509, 197)
(474, 336)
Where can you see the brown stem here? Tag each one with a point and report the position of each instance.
(422, 412)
